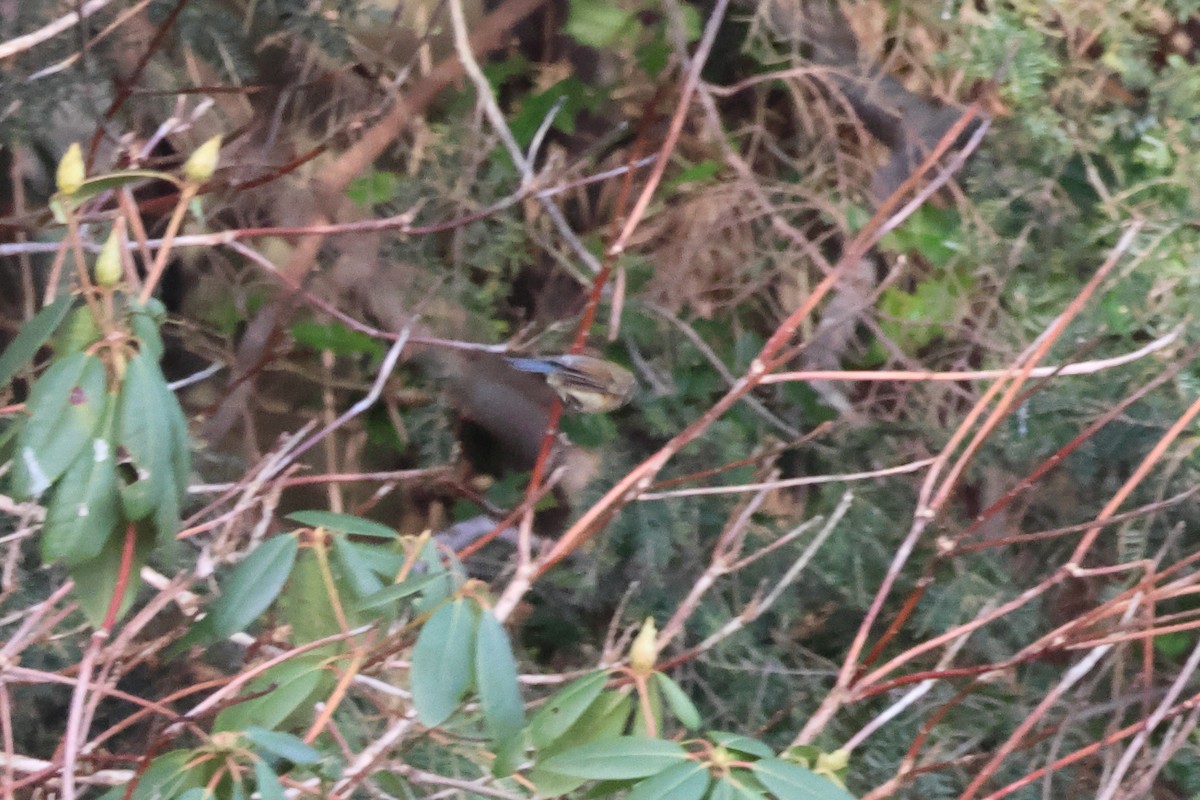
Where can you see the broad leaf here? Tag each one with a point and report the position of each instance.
(398, 591)
(677, 700)
(102, 183)
(499, 692)
(85, 510)
(66, 406)
(284, 745)
(275, 695)
(355, 563)
(144, 432)
(267, 783)
(253, 585)
(144, 322)
(789, 781)
(167, 776)
(96, 578)
(687, 781)
(442, 663)
(33, 334)
(741, 744)
(620, 758)
(561, 711)
(346, 523)
(603, 719)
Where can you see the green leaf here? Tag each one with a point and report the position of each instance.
(377, 186)
(166, 516)
(398, 591)
(144, 321)
(355, 563)
(571, 95)
(284, 745)
(78, 333)
(346, 523)
(561, 712)
(336, 338)
(386, 562)
(181, 445)
(253, 585)
(267, 783)
(66, 406)
(553, 784)
(442, 663)
(805, 755)
(677, 700)
(96, 578)
(436, 592)
(604, 719)
(933, 232)
(693, 23)
(167, 776)
(701, 172)
(85, 510)
(741, 744)
(496, 678)
(304, 604)
(743, 785)
(623, 757)
(1174, 645)
(597, 23)
(789, 781)
(687, 781)
(144, 432)
(33, 334)
(274, 695)
(102, 183)
(722, 789)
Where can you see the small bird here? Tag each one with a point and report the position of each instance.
(587, 384)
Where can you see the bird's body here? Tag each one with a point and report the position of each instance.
(585, 383)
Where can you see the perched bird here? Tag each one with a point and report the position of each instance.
(587, 384)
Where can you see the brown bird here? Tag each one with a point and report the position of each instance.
(585, 383)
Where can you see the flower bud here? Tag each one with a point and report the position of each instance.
(721, 758)
(643, 653)
(833, 762)
(108, 265)
(202, 163)
(71, 172)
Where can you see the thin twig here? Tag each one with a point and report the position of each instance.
(50, 30)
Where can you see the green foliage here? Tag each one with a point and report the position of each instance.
(106, 440)
(346, 523)
(653, 768)
(253, 585)
(378, 186)
(95, 185)
(277, 695)
(1094, 128)
(442, 661)
(618, 758)
(336, 338)
(567, 99)
(33, 334)
(68, 403)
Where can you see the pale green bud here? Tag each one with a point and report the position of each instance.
(108, 265)
(202, 163)
(643, 653)
(71, 171)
